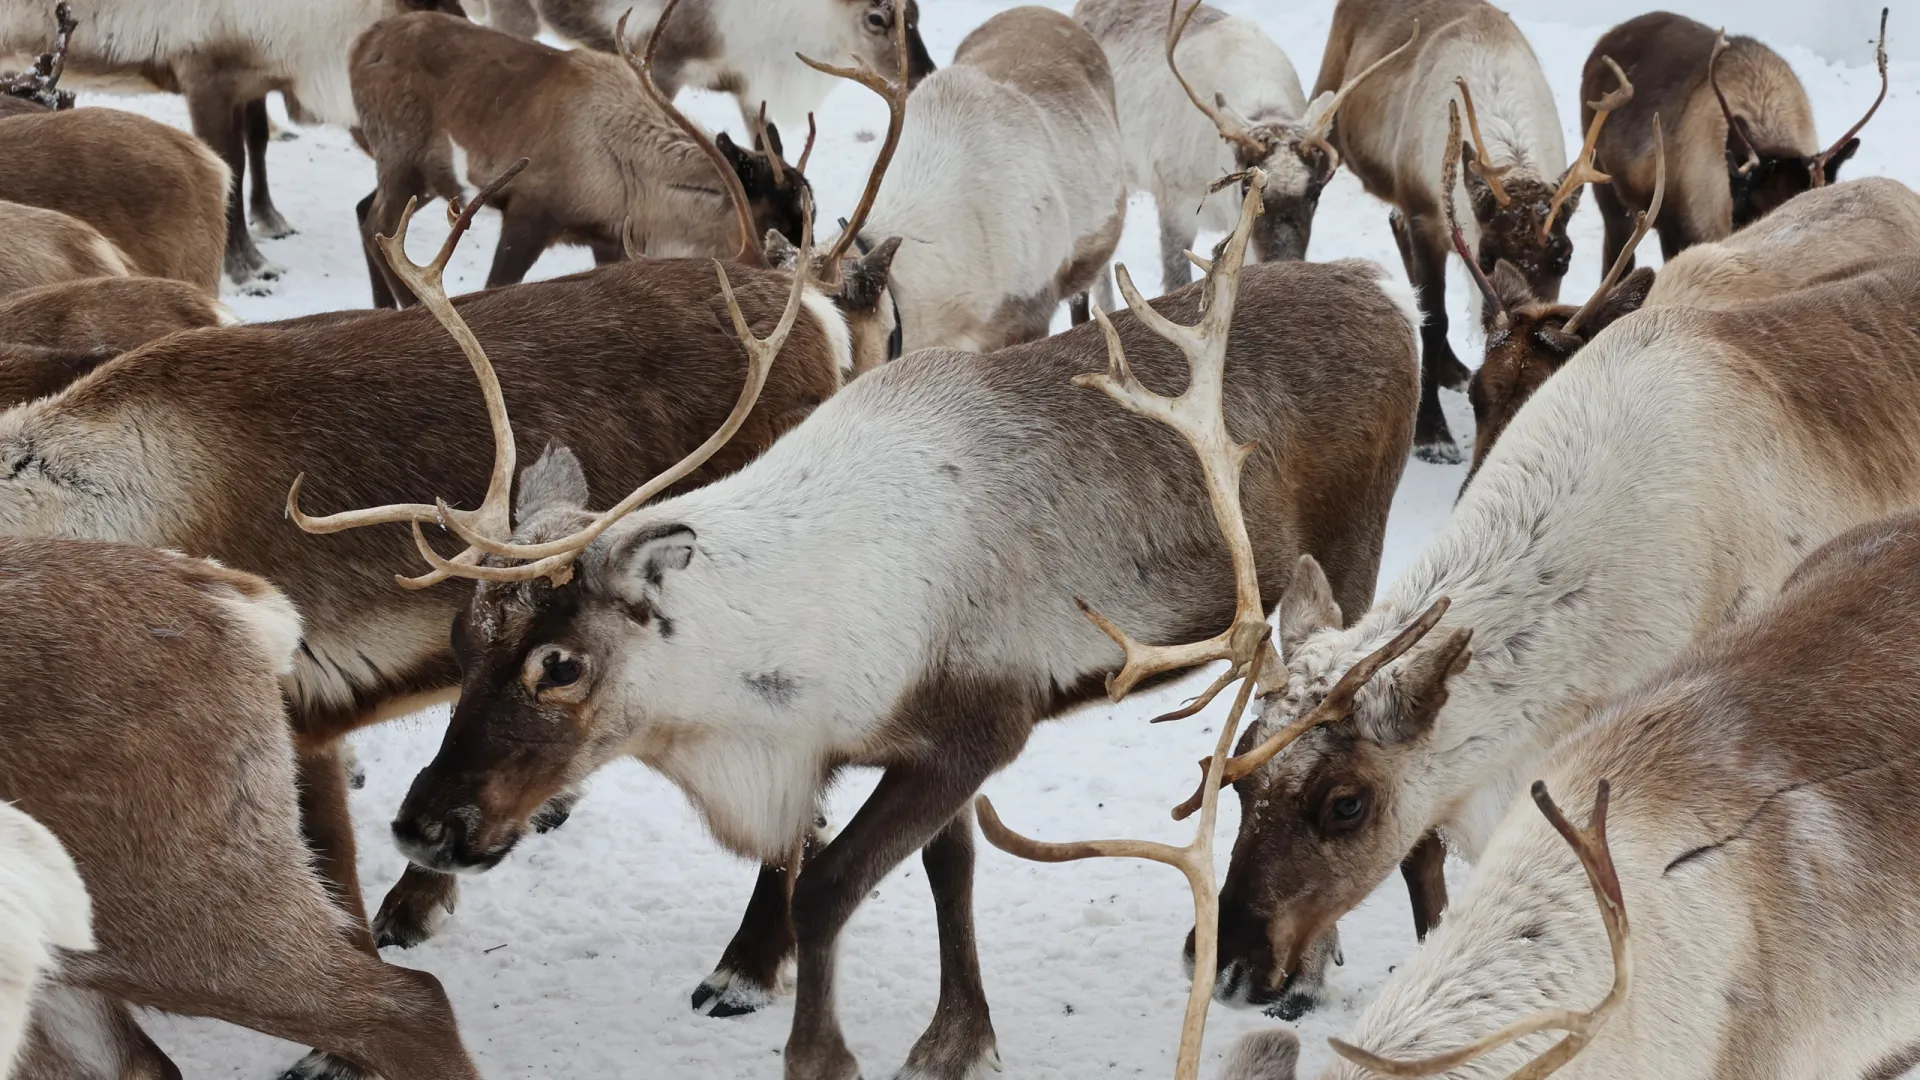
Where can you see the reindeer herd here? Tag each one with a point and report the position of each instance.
(864, 511)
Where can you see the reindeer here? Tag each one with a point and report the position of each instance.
(1175, 154)
(154, 191)
(1757, 851)
(188, 443)
(746, 47)
(1006, 186)
(1827, 234)
(1734, 441)
(442, 100)
(47, 247)
(938, 676)
(43, 907)
(225, 56)
(1741, 126)
(54, 334)
(183, 729)
(1393, 126)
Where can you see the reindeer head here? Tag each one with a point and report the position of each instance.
(1761, 177)
(878, 22)
(1323, 823)
(776, 191)
(1295, 155)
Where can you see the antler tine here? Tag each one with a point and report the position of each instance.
(894, 93)
(1583, 170)
(1880, 59)
(806, 152)
(750, 249)
(1449, 177)
(1642, 222)
(427, 282)
(1482, 166)
(1335, 706)
(554, 560)
(1590, 845)
(1734, 123)
(1323, 124)
(1197, 414)
(766, 142)
(1230, 129)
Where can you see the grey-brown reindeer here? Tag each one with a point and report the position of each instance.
(615, 166)
(1391, 132)
(1738, 121)
(891, 586)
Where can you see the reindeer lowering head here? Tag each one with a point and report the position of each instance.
(1293, 153)
(1761, 176)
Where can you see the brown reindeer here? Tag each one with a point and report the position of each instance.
(170, 780)
(157, 192)
(54, 334)
(47, 247)
(981, 491)
(1827, 234)
(1738, 123)
(189, 442)
(443, 101)
(1391, 132)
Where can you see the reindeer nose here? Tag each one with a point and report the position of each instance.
(429, 842)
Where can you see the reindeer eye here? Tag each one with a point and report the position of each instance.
(1343, 812)
(558, 670)
(877, 19)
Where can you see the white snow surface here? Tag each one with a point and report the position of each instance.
(576, 957)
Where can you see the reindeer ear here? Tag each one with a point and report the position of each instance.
(1840, 158)
(1307, 605)
(1420, 688)
(744, 162)
(1272, 1054)
(866, 277)
(1624, 300)
(639, 563)
(1511, 285)
(555, 482)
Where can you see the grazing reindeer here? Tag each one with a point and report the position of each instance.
(176, 445)
(43, 906)
(443, 101)
(153, 190)
(939, 676)
(1006, 186)
(1250, 114)
(1758, 810)
(1824, 235)
(54, 334)
(1392, 130)
(1734, 441)
(746, 47)
(225, 56)
(1740, 124)
(47, 247)
(187, 829)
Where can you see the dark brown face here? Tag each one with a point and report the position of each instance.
(1511, 231)
(1762, 189)
(775, 197)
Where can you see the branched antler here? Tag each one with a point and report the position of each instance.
(1735, 123)
(1230, 128)
(1198, 414)
(1583, 171)
(894, 92)
(1483, 166)
(1320, 117)
(1590, 845)
(41, 83)
(1449, 177)
(1880, 60)
(1642, 222)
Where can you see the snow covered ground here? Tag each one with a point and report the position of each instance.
(575, 958)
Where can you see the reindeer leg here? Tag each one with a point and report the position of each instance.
(259, 132)
(524, 237)
(415, 909)
(381, 218)
(383, 296)
(328, 825)
(749, 970)
(1428, 248)
(76, 1033)
(959, 1043)
(219, 118)
(1177, 231)
(1617, 218)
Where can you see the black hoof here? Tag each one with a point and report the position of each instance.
(1445, 452)
(726, 993)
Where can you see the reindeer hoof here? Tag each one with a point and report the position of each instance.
(1453, 374)
(730, 993)
(967, 1057)
(1439, 452)
(269, 225)
(406, 920)
(319, 1065)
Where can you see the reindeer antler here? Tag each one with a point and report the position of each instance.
(1642, 222)
(1735, 124)
(41, 82)
(1449, 176)
(751, 251)
(426, 281)
(1880, 59)
(1582, 171)
(1590, 844)
(1483, 166)
(894, 93)
(1230, 129)
(1199, 415)
(1320, 125)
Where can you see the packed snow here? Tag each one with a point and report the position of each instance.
(576, 957)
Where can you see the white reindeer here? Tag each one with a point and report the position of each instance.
(43, 906)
